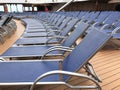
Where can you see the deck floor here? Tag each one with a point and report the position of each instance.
(106, 64)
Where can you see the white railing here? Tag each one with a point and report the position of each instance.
(12, 1)
(70, 1)
(32, 1)
(67, 3)
(37, 1)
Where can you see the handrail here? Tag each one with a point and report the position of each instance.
(68, 4)
(64, 5)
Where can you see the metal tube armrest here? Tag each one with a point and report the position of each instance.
(105, 26)
(115, 30)
(55, 49)
(49, 32)
(96, 24)
(1, 59)
(55, 37)
(70, 74)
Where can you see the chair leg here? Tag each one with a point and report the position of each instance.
(2, 39)
(90, 70)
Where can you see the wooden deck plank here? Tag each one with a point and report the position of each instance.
(116, 88)
(110, 85)
(110, 79)
(107, 65)
(103, 55)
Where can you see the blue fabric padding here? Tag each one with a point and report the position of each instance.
(33, 30)
(26, 51)
(107, 30)
(93, 16)
(14, 72)
(79, 30)
(84, 51)
(101, 17)
(56, 19)
(66, 20)
(110, 28)
(60, 20)
(37, 34)
(36, 27)
(63, 25)
(36, 40)
(69, 27)
(110, 19)
(116, 36)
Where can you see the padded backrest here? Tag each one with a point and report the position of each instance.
(112, 18)
(102, 17)
(75, 13)
(64, 23)
(77, 32)
(84, 51)
(68, 28)
(60, 20)
(94, 15)
(52, 19)
(81, 14)
(56, 19)
(50, 16)
(117, 24)
(86, 16)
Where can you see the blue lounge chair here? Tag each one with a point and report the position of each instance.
(47, 72)
(93, 17)
(109, 28)
(37, 24)
(116, 33)
(103, 15)
(109, 20)
(81, 14)
(44, 26)
(64, 23)
(32, 21)
(34, 51)
(58, 23)
(37, 32)
(102, 22)
(52, 40)
(115, 41)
